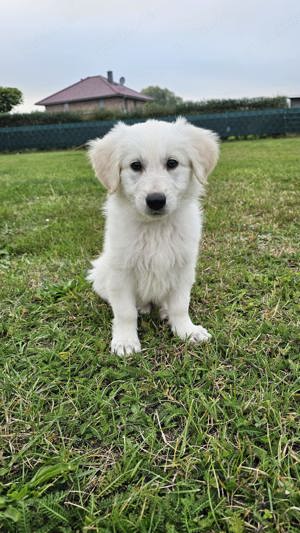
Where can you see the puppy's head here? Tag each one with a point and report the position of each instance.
(155, 164)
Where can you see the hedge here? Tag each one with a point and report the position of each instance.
(237, 124)
(151, 110)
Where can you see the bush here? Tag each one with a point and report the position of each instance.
(218, 106)
(150, 110)
(37, 118)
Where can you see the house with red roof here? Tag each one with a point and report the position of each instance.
(93, 94)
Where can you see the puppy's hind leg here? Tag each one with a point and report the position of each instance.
(163, 311)
(144, 309)
(98, 276)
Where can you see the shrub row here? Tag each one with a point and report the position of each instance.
(36, 118)
(151, 110)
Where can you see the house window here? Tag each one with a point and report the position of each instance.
(66, 107)
(101, 103)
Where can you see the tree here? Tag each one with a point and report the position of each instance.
(9, 98)
(162, 96)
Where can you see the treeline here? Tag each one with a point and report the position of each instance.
(151, 110)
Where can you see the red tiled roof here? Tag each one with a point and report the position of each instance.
(90, 88)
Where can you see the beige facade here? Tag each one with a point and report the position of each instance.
(90, 106)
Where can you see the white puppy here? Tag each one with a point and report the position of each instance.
(155, 172)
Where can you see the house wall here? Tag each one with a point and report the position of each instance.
(91, 106)
(295, 102)
(131, 105)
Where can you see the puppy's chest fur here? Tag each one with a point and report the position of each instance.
(157, 253)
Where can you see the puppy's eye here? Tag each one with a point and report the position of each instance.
(136, 166)
(172, 163)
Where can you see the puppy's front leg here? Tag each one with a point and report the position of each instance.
(124, 332)
(178, 311)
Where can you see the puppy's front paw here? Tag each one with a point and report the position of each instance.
(194, 334)
(125, 346)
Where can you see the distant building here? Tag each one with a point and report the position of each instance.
(294, 101)
(95, 93)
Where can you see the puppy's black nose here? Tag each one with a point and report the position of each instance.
(156, 201)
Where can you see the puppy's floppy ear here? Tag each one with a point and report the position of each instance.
(203, 149)
(104, 156)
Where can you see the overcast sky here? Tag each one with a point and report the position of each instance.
(199, 49)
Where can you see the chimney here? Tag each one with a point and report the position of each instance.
(110, 76)
(122, 80)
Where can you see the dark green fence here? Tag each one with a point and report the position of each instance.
(235, 124)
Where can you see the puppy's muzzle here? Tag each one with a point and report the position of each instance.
(156, 201)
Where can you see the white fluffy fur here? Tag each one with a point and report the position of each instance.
(151, 258)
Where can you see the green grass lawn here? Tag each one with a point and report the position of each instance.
(179, 437)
